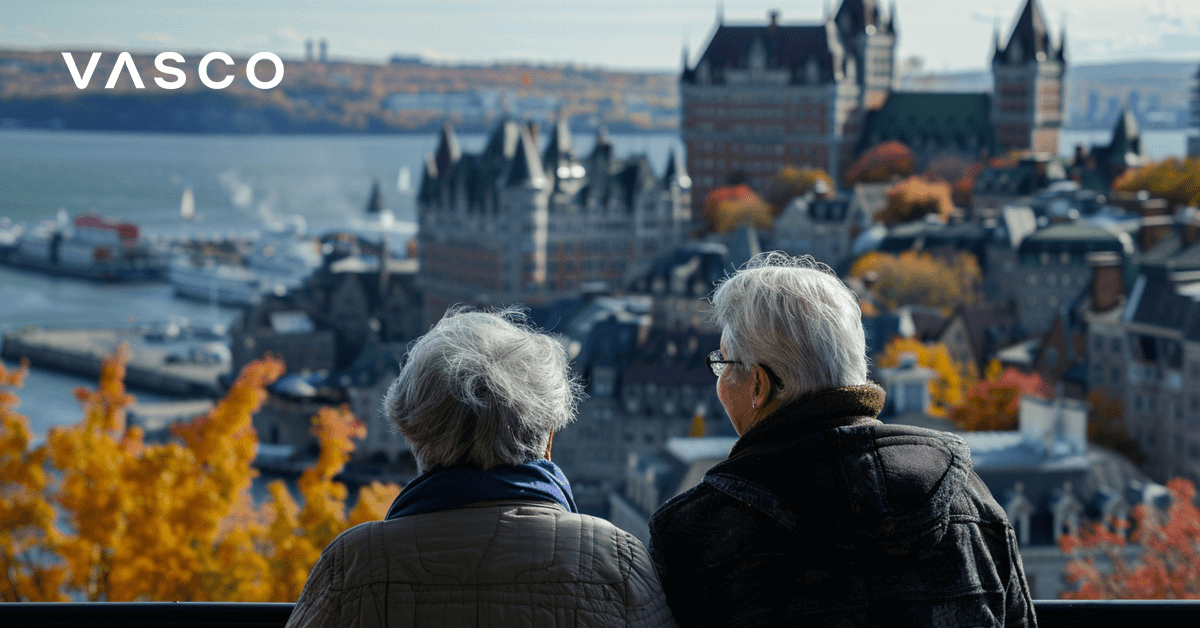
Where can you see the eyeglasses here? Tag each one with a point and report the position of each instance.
(718, 365)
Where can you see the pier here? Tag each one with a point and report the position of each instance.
(158, 369)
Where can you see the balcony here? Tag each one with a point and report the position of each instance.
(1050, 613)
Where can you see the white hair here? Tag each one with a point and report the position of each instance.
(794, 316)
(481, 389)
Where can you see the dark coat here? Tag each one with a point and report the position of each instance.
(824, 516)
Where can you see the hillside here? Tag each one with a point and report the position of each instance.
(37, 90)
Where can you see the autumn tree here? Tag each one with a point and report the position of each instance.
(915, 198)
(920, 278)
(958, 172)
(115, 518)
(729, 207)
(881, 163)
(995, 403)
(1167, 567)
(791, 182)
(953, 379)
(1174, 179)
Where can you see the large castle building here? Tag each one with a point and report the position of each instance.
(816, 95)
(519, 224)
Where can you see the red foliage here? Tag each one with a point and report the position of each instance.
(1168, 566)
(732, 205)
(881, 163)
(995, 404)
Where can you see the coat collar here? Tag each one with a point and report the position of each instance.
(814, 412)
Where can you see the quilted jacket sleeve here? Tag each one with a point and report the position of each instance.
(645, 600)
(320, 602)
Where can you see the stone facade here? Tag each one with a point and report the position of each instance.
(512, 225)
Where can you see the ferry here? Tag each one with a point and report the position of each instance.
(90, 247)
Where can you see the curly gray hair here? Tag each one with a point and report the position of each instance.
(795, 316)
(481, 389)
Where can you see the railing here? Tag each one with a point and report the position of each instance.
(1050, 613)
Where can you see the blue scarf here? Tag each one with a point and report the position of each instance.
(539, 480)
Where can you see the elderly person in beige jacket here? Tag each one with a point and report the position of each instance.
(488, 534)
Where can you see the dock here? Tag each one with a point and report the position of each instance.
(156, 369)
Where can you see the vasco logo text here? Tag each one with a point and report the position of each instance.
(125, 60)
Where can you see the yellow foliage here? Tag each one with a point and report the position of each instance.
(1175, 179)
(168, 521)
(953, 380)
(914, 198)
(791, 182)
(919, 278)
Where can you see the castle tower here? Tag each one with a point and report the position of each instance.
(764, 96)
(1028, 98)
(869, 39)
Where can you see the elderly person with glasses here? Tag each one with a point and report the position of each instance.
(822, 515)
(488, 534)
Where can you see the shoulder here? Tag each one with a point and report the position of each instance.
(685, 506)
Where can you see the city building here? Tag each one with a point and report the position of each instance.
(827, 228)
(764, 96)
(1028, 100)
(816, 95)
(513, 224)
(1053, 269)
(1161, 322)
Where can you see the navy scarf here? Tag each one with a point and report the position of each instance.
(540, 480)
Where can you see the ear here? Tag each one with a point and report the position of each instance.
(549, 444)
(762, 386)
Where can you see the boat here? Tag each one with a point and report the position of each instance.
(280, 260)
(90, 247)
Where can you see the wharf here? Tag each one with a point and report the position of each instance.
(157, 369)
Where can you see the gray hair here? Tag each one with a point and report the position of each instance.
(793, 315)
(481, 389)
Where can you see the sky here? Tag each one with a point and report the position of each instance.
(948, 35)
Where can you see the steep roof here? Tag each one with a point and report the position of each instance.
(1163, 298)
(786, 47)
(962, 121)
(854, 16)
(1030, 37)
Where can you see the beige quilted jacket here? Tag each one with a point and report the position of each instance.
(507, 563)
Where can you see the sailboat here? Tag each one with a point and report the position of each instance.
(404, 180)
(187, 206)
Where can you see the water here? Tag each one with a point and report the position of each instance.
(240, 183)
(1158, 144)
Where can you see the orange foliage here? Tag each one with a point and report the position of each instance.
(919, 278)
(952, 381)
(914, 198)
(732, 206)
(1168, 567)
(995, 404)
(959, 173)
(881, 163)
(96, 513)
(1175, 179)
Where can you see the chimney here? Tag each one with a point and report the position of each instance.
(1080, 156)
(774, 15)
(1108, 281)
(1153, 229)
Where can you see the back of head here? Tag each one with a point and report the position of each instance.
(481, 389)
(795, 316)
